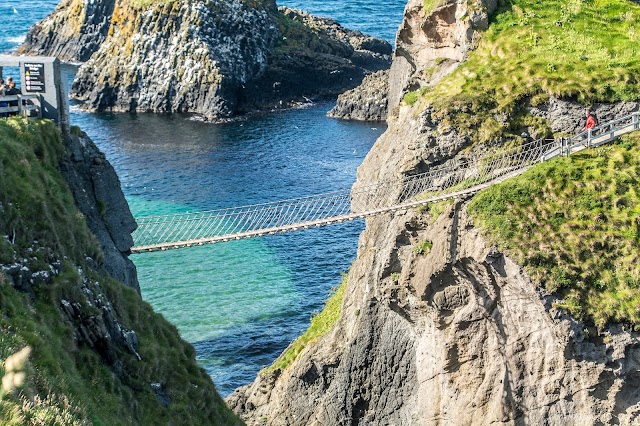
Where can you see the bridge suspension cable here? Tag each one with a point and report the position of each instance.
(439, 183)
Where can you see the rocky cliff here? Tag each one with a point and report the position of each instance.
(99, 354)
(433, 40)
(438, 326)
(435, 319)
(96, 189)
(217, 58)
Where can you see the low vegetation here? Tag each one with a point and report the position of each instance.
(320, 325)
(574, 224)
(423, 248)
(587, 50)
(63, 382)
(434, 210)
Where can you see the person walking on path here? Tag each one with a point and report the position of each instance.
(591, 121)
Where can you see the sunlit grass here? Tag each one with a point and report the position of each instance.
(574, 224)
(588, 51)
(320, 325)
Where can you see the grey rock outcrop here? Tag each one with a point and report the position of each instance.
(217, 58)
(367, 102)
(458, 334)
(569, 117)
(432, 43)
(98, 195)
(73, 32)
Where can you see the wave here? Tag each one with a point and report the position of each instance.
(17, 40)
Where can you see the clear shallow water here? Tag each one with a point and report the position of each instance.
(239, 303)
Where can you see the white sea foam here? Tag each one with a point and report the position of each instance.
(17, 40)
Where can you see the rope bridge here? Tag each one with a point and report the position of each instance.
(439, 183)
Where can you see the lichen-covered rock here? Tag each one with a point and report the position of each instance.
(177, 56)
(73, 32)
(432, 43)
(367, 102)
(217, 58)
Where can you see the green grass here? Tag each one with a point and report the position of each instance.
(411, 98)
(320, 325)
(423, 248)
(574, 224)
(434, 210)
(67, 383)
(577, 49)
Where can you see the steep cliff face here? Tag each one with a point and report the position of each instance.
(217, 58)
(433, 39)
(437, 325)
(96, 189)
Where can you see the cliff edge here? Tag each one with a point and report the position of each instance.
(81, 348)
(512, 307)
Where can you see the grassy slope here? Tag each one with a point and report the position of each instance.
(588, 50)
(320, 325)
(66, 384)
(574, 224)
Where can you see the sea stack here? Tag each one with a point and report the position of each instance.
(217, 58)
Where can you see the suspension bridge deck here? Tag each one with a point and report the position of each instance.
(439, 183)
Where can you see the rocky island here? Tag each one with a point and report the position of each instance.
(216, 58)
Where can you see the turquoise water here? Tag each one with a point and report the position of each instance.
(239, 303)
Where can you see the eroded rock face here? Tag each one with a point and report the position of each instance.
(217, 58)
(73, 32)
(367, 102)
(432, 43)
(457, 336)
(98, 195)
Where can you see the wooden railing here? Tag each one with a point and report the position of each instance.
(24, 105)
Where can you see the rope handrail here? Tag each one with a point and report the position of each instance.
(438, 183)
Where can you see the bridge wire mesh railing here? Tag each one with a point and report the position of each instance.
(200, 227)
(440, 182)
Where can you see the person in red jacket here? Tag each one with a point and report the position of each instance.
(591, 121)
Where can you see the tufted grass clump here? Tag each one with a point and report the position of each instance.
(574, 224)
(587, 51)
(423, 248)
(320, 325)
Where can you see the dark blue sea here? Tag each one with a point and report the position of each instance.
(239, 303)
